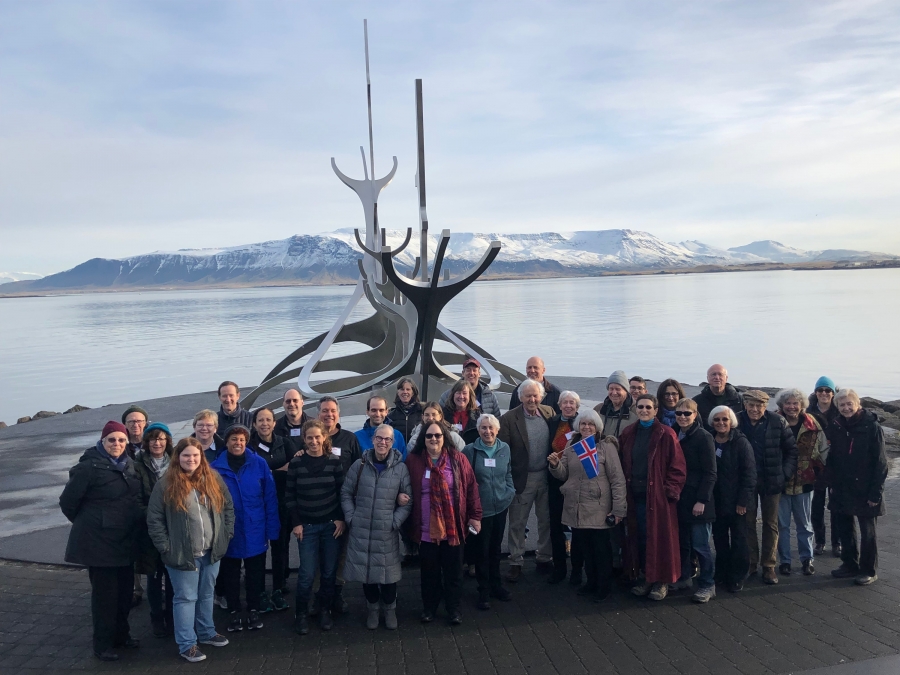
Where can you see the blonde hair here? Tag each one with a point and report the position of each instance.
(206, 415)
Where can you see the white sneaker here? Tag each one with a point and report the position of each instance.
(221, 601)
(659, 592)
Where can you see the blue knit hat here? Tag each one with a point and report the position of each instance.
(826, 382)
(158, 426)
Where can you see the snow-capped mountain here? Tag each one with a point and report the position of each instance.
(332, 258)
(9, 277)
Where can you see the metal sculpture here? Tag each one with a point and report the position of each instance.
(402, 332)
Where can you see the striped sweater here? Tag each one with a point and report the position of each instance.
(313, 491)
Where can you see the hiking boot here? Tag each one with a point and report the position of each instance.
(845, 572)
(235, 624)
(501, 594)
(216, 641)
(785, 569)
(704, 595)
(769, 577)
(808, 568)
(193, 654)
(641, 589)
(390, 616)
(278, 601)
(374, 615)
(659, 592)
(301, 624)
(514, 573)
(325, 620)
(265, 603)
(253, 620)
(865, 579)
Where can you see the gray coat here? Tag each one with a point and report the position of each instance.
(170, 532)
(369, 500)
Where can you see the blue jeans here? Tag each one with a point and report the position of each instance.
(193, 603)
(694, 537)
(800, 507)
(318, 550)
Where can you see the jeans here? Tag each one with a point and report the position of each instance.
(319, 552)
(254, 581)
(597, 551)
(441, 570)
(695, 537)
(386, 593)
(818, 519)
(111, 591)
(487, 543)
(865, 558)
(765, 557)
(159, 612)
(557, 529)
(535, 493)
(193, 603)
(732, 550)
(800, 507)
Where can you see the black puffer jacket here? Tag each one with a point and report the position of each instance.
(405, 418)
(699, 451)
(779, 454)
(148, 557)
(103, 505)
(857, 465)
(706, 401)
(735, 474)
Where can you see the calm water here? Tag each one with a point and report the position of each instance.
(768, 328)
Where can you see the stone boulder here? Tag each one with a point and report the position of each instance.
(891, 406)
(76, 408)
(43, 414)
(22, 420)
(2, 425)
(892, 421)
(869, 403)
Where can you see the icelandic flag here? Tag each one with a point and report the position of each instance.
(586, 449)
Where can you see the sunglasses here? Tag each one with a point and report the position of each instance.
(822, 390)
(644, 407)
(720, 420)
(434, 435)
(683, 413)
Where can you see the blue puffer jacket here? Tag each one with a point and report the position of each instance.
(366, 438)
(252, 489)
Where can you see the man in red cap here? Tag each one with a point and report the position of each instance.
(484, 398)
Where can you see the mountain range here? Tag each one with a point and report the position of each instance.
(332, 258)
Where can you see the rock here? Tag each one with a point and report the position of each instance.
(868, 402)
(891, 421)
(76, 408)
(43, 414)
(2, 425)
(22, 420)
(891, 406)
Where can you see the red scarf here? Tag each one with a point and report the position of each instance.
(461, 417)
(442, 524)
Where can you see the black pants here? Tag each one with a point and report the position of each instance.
(818, 519)
(732, 549)
(254, 580)
(597, 551)
(441, 568)
(111, 589)
(488, 542)
(557, 529)
(386, 593)
(281, 549)
(160, 604)
(865, 557)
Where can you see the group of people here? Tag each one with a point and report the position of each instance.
(641, 482)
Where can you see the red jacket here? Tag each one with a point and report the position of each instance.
(666, 473)
(468, 503)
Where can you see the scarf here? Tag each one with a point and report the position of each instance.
(460, 417)
(668, 417)
(118, 462)
(488, 450)
(442, 524)
(159, 465)
(647, 424)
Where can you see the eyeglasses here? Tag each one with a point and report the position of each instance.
(434, 435)
(205, 426)
(720, 420)
(385, 439)
(823, 390)
(134, 423)
(683, 413)
(644, 407)
(671, 394)
(158, 439)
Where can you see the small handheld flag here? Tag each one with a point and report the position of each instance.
(586, 449)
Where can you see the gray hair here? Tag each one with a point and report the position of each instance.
(490, 419)
(572, 395)
(589, 415)
(531, 383)
(847, 393)
(384, 426)
(723, 408)
(786, 395)
(328, 399)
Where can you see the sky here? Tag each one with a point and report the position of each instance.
(128, 127)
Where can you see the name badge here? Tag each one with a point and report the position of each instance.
(458, 427)
(264, 447)
(569, 435)
(491, 463)
(718, 452)
(336, 452)
(296, 432)
(427, 474)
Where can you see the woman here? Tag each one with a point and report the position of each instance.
(277, 452)
(376, 501)
(445, 507)
(593, 503)
(190, 519)
(102, 501)
(796, 500)
(655, 472)
(149, 465)
(560, 432)
(407, 411)
(313, 499)
(490, 461)
(823, 408)
(461, 412)
(252, 489)
(855, 473)
(696, 507)
(206, 423)
(734, 491)
(669, 393)
(434, 412)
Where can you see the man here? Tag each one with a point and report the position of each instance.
(534, 369)
(377, 410)
(484, 398)
(526, 430)
(716, 392)
(775, 451)
(617, 411)
(345, 445)
(290, 425)
(637, 385)
(135, 420)
(230, 410)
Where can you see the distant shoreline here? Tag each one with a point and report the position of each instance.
(286, 283)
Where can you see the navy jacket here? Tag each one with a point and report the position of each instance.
(365, 437)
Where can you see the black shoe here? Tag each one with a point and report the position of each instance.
(484, 602)
(819, 549)
(107, 655)
(845, 572)
(502, 594)
(325, 621)
(159, 627)
(129, 643)
(455, 618)
(544, 567)
(785, 569)
(736, 587)
(253, 620)
(235, 624)
(808, 568)
(427, 616)
(600, 596)
(556, 577)
(575, 577)
(315, 608)
(301, 624)
(836, 551)
(338, 604)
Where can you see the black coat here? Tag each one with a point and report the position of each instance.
(469, 432)
(349, 448)
(551, 396)
(706, 401)
(857, 466)
(277, 453)
(823, 418)
(103, 505)
(405, 419)
(148, 557)
(699, 451)
(735, 474)
(240, 416)
(779, 453)
(284, 429)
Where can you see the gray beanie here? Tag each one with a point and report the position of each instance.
(618, 377)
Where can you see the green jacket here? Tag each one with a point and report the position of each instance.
(170, 532)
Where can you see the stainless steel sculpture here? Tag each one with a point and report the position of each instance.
(402, 332)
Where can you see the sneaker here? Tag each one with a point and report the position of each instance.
(193, 654)
(253, 620)
(265, 604)
(216, 641)
(704, 595)
(845, 572)
(659, 592)
(221, 602)
(682, 585)
(785, 569)
(301, 624)
(808, 568)
(865, 579)
(278, 601)
(819, 549)
(641, 589)
(235, 625)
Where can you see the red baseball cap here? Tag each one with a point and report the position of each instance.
(471, 362)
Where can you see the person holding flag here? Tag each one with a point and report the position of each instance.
(594, 498)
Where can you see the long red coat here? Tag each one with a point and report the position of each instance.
(666, 473)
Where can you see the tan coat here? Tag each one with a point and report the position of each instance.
(587, 502)
(614, 426)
